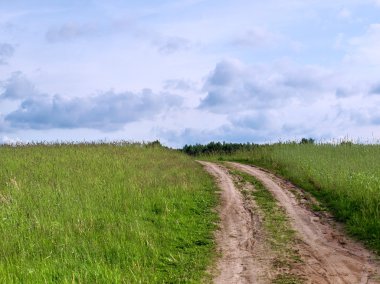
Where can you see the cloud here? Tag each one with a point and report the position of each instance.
(3, 124)
(343, 92)
(18, 87)
(6, 51)
(254, 120)
(233, 86)
(375, 90)
(105, 110)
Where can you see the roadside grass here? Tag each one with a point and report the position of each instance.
(104, 213)
(279, 235)
(344, 178)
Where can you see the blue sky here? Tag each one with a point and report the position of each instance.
(189, 71)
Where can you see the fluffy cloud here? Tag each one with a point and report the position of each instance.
(105, 111)
(281, 102)
(18, 87)
(233, 86)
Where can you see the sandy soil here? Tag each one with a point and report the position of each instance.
(328, 255)
(243, 257)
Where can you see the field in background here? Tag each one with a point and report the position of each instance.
(345, 177)
(103, 213)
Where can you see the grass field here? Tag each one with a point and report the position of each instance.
(346, 178)
(103, 214)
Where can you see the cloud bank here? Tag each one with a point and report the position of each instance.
(106, 111)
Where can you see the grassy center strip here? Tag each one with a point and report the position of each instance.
(279, 235)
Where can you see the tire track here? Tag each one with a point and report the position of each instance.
(328, 256)
(243, 255)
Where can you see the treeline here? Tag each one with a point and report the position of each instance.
(216, 148)
(230, 148)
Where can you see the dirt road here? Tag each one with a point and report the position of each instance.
(327, 255)
(238, 238)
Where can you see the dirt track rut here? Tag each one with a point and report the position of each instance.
(238, 238)
(328, 256)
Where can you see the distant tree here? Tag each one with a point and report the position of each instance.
(215, 148)
(307, 141)
(155, 143)
(346, 143)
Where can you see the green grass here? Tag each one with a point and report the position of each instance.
(104, 214)
(278, 232)
(346, 178)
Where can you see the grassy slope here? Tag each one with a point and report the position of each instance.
(346, 178)
(103, 214)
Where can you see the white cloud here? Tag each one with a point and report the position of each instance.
(18, 87)
(233, 86)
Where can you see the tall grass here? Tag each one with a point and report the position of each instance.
(345, 177)
(103, 214)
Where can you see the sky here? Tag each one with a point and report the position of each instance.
(189, 71)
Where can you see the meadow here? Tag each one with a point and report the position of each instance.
(104, 213)
(344, 177)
